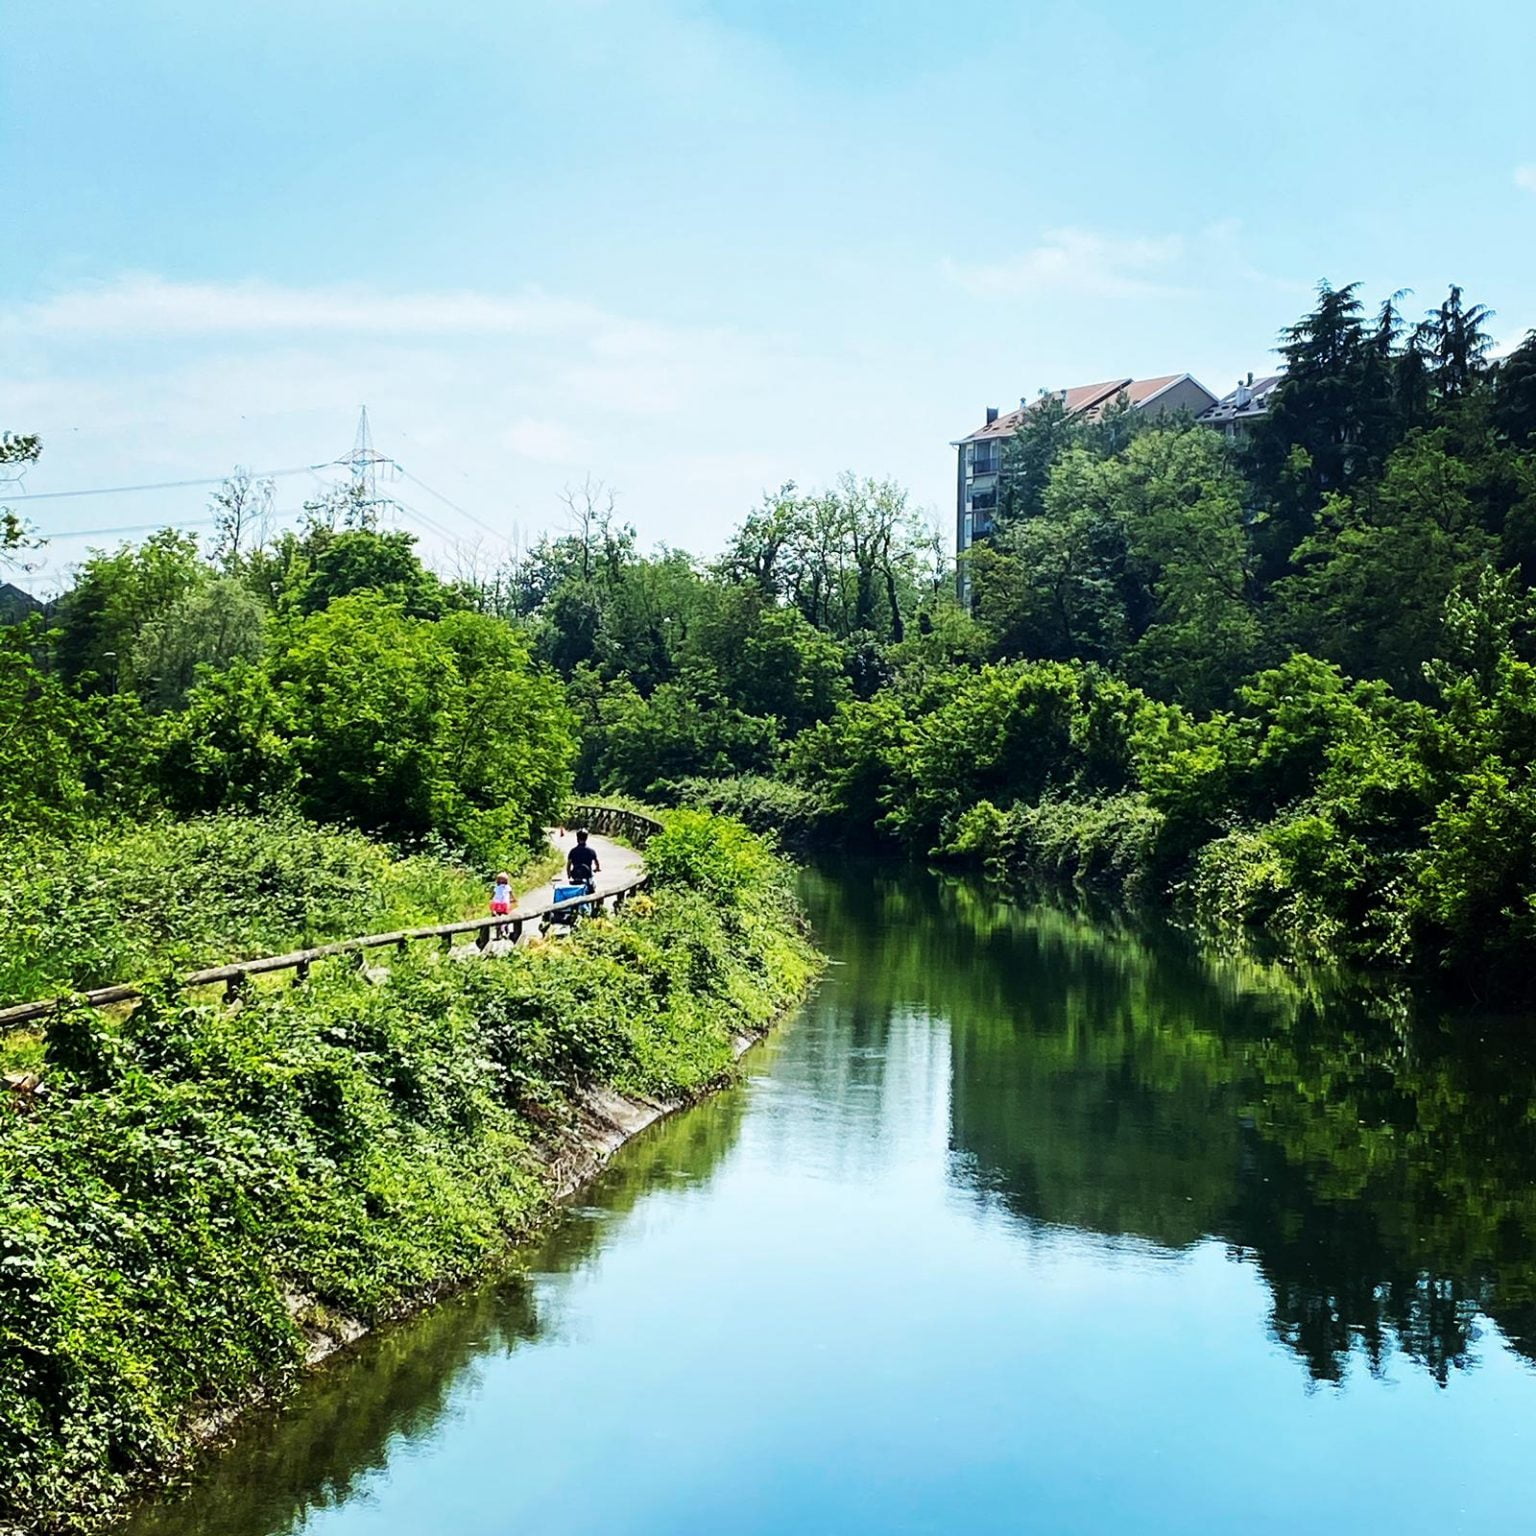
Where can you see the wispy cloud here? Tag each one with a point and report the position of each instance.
(1525, 176)
(496, 401)
(1076, 261)
(148, 306)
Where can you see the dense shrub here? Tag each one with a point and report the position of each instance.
(1345, 818)
(1105, 842)
(696, 851)
(121, 903)
(790, 812)
(204, 1183)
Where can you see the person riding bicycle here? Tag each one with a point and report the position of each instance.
(582, 862)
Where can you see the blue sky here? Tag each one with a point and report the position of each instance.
(697, 249)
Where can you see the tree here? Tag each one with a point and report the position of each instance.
(648, 745)
(764, 660)
(1514, 394)
(41, 783)
(1329, 420)
(365, 560)
(508, 742)
(1180, 502)
(368, 690)
(1455, 340)
(19, 449)
(765, 544)
(1053, 586)
(115, 599)
(853, 559)
(212, 624)
(1044, 433)
(241, 508)
(1370, 584)
(231, 745)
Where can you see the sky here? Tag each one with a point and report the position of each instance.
(694, 250)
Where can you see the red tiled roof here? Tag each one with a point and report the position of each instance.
(1085, 396)
(1138, 390)
(1081, 400)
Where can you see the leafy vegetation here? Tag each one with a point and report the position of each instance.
(124, 902)
(327, 672)
(1279, 678)
(206, 1189)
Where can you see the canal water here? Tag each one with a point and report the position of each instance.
(1031, 1221)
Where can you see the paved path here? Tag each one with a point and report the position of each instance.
(619, 864)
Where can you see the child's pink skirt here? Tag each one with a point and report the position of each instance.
(501, 908)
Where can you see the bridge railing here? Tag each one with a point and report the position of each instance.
(606, 820)
(632, 827)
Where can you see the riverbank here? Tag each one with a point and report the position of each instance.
(1027, 1210)
(213, 1199)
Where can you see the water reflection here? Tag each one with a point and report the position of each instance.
(993, 1227)
(402, 1388)
(1373, 1154)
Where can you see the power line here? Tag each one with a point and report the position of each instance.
(363, 462)
(426, 522)
(162, 485)
(462, 511)
(181, 522)
(102, 533)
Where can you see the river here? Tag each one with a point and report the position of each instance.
(1031, 1221)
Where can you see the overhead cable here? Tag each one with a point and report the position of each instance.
(162, 485)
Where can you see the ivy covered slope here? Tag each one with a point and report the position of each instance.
(206, 1186)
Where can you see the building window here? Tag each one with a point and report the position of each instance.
(986, 458)
(984, 501)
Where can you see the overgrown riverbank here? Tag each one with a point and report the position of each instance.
(209, 1193)
(116, 901)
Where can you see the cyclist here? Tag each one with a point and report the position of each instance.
(582, 862)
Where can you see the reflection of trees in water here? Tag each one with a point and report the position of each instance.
(1373, 1156)
(1402, 1176)
(343, 1422)
(398, 1386)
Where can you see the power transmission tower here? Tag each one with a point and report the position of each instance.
(363, 462)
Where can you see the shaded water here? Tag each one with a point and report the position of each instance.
(1029, 1222)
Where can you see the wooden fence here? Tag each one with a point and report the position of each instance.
(606, 820)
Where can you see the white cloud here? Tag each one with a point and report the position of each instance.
(1076, 262)
(148, 306)
(495, 402)
(1525, 176)
(1081, 263)
(545, 441)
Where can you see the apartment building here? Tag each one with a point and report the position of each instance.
(979, 460)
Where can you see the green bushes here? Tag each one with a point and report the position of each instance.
(1108, 842)
(119, 904)
(206, 1186)
(695, 851)
(792, 813)
(1348, 820)
(326, 670)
